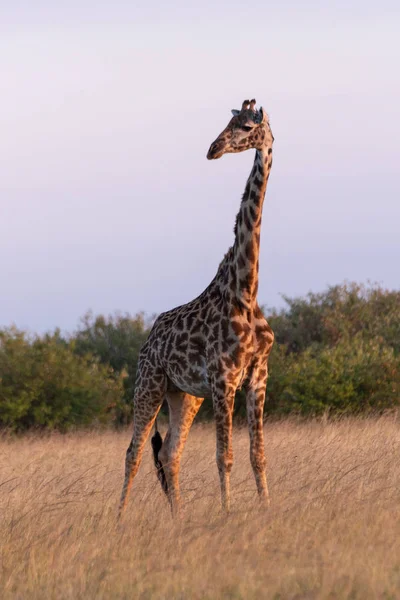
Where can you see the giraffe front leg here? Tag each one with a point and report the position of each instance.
(255, 399)
(223, 400)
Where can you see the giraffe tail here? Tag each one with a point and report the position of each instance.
(156, 444)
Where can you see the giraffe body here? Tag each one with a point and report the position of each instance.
(216, 343)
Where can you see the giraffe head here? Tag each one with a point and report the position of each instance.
(248, 128)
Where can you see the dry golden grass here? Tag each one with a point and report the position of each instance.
(333, 529)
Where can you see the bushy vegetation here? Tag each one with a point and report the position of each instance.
(355, 375)
(44, 383)
(116, 341)
(337, 351)
(339, 313)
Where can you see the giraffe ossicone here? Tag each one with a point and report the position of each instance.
(215, 343)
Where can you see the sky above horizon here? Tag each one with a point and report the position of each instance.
(107, 200)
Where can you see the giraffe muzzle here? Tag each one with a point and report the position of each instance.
(215, 151)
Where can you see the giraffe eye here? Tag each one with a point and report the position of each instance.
(246, 128)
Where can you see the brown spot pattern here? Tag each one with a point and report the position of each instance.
(213, 344)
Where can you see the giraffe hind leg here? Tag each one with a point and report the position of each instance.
(147, 403)
(182, 410)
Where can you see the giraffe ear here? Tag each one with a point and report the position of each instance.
(235, 112)
(263, 115)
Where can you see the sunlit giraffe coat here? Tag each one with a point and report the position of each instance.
(214, 344)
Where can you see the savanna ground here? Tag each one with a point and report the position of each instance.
(332, 531)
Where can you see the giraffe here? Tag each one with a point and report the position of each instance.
(214, 344)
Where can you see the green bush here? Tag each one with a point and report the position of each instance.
(45, 384)
(355, 375)
(336, 351)
(342, 311)
(116, 341)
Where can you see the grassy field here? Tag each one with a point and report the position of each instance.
(332, 531)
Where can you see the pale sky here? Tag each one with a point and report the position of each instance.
(107, 201)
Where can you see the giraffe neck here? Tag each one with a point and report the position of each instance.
(246, 248)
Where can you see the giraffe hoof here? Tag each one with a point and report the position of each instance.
(265, 502)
